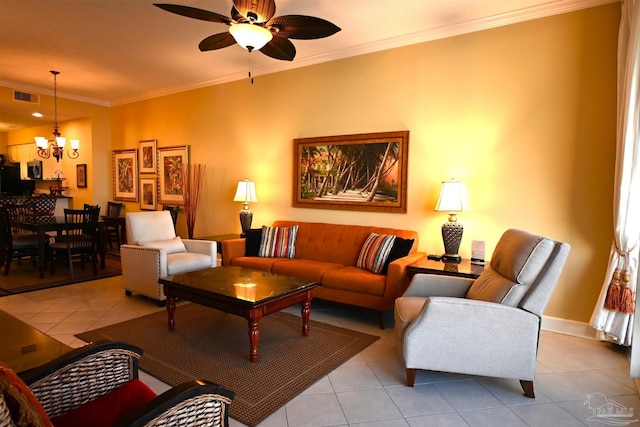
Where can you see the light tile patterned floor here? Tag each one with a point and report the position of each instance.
(368, 390)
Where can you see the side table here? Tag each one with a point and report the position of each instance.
(430, 266)
(220, 238)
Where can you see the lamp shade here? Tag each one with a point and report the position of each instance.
(453, 197)
(246, 192)
(250, 36)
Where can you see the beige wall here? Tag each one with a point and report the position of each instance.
(524, 114)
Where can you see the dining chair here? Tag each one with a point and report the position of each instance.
(113, 229)
(173, 210)
(80, 239)
(15, 245)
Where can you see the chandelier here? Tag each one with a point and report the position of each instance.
(55, 146)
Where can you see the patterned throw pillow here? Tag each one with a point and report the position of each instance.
(375, 251)
(278, 242)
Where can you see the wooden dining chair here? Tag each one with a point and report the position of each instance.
(15, 245)
(80, 239)
(113, 229)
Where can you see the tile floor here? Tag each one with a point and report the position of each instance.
(368, 390)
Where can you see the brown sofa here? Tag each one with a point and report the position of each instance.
(327, 254)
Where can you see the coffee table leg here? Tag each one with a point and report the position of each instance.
(171, 310)
(306, 312)
(254, 335)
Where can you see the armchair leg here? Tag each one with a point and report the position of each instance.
(411, 377)
(527, 386)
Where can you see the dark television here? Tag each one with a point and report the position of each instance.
(10, 182)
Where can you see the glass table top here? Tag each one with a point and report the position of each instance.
(240, 283)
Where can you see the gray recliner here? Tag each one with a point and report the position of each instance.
(489, 326)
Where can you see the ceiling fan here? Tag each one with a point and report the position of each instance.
(253, 26)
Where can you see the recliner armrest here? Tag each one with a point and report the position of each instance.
(431, 285)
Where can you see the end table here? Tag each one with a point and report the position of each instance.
(461, 269)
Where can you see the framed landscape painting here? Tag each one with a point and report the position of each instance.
(172, 165)
(148, 156)
(363, 172)
(125, 175)
(148, 201)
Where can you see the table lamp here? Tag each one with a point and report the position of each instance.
(245, 193)
(453, 199)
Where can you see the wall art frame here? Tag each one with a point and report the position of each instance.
(81, 175)
(148, 156)
(148, 192)
(125, 175)
(172, 162)
(359, 172)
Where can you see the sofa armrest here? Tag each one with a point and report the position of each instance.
(397, 280)
(206, 247)
(231, 249)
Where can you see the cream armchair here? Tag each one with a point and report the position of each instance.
(489, 326)
(153, 250)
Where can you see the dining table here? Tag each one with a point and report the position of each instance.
(45, 227)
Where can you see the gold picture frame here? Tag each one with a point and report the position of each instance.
(125, 175)
(148, 192)
(81, 175)
(172, 163)
(148, 156)
(360, 172)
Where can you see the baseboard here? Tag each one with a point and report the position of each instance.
(568, 327)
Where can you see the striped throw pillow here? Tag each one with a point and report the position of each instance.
(375, 251)
(278, 242)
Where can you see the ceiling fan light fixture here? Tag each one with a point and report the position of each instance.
(250, 36)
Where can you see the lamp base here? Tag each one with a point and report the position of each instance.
(455, 258)
(246, 216)
(451, 237)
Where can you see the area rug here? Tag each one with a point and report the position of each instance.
(208, 344)
(25, 278)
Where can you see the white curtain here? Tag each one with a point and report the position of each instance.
(616, 324)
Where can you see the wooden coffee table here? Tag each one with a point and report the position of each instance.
(244, 292)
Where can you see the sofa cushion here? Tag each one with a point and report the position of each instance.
(375, 251)
(278, 242)
(109, 408)
(22, 403)
(172, 246)
(253, 237)
(354, 279)
(304, 268)
(257, 263)
(401, 248)
(184, 262)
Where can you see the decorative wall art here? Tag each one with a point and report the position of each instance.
(363, 172)
(172, 162)
(81, 176)
(148, 201)
(148, 156)
(125, 175)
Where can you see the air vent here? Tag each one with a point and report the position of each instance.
(26, 97)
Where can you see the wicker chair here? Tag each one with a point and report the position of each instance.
(78, 388)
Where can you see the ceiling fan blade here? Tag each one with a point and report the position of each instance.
(192, 12)
(279, 48)
(216, 41)
(302, 27)
(263, 9)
